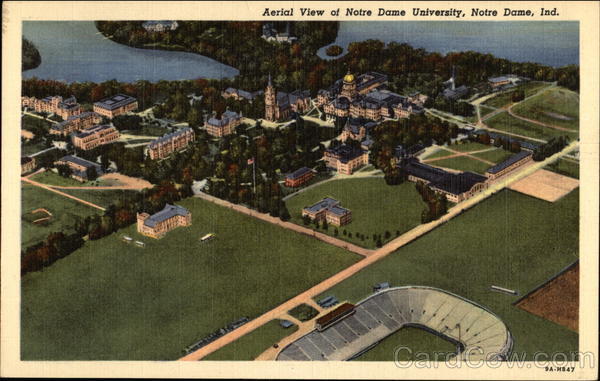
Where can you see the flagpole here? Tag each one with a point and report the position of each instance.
(254, 174)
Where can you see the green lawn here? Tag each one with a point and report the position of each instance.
(462, 163)
(376, 207)
(103, 198)
(148, 130)
(557, 106)
(420, 341)
(249, 346)
(496, 156)
(505, 98)
(51, 178)
(468, 147)
(508, 123)
(510, 240)
(114, 301)
(31, 148)
(65, 212)
(564, 167)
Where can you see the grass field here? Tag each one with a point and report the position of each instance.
(51, 178)
(496, 156)
(103, 198)
(113, 301)
(564, 167)
(510, 240)
(505, 98)
(249, 346)
(462, 163)
(31, 148)
(148, 131)
(376, 207)
(468, 147)
(422, 342)
(557, 106)
(65, 213)
(508, 123)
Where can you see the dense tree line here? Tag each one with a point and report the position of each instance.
(30, 56)
(437, 204)
(120, 214)
(551, 147)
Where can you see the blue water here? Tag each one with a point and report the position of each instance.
(74, 51)
(554, 43)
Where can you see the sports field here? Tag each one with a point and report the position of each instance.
(51, 178)
(65, 213)
(508, 123)
(510, 240)
(248, 347)
(462, 163)
(376, 208)
(111, 300)
(103, 198)
(557, 106)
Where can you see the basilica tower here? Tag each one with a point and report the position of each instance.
(270, 102)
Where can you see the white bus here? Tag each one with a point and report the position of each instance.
(207, 237)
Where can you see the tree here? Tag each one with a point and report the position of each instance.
(306, 220)
(378, 243)
(64, 170)
(92, 174)
(325, 225)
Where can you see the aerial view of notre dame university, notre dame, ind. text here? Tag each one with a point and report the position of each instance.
(391, 184)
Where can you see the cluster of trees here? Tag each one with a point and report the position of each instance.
(30, 56)
(548, 149)
(517, 95)
(334, 50)
(506, 143)
(437, 204)
(127, 122)
(456, 107)
(119, 215)
(418, 129)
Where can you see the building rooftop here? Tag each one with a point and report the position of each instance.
(298, 173)
(508, 162)
(338, 210)
(341, 310)
(114, 102)
(345, 152)
(226, 118)
(168, 211)
(93, 130)
(455, 183)
(325, 203)
(167, 137)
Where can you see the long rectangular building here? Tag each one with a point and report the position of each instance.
(95, 136)
(345, 158)
(169, 143)
(79, 122)
(79, 167)
(509, 165)
(116, 105)
(65, 108)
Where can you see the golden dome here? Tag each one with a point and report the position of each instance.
(349, 78)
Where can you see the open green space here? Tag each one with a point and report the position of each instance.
(303, 312)
(148, 130)
(564, 167)
(498, 155)
(376, 208)
(505, 98)
(420, 341)
(506, 122)
(484, 110)
(557, 107)
(103, 197)
(33, 124)
(111, 300)
(462, 163)
(468, 147)
(52, 178)
(249, 346)
(65, 213)
(509, 240)
(29, 148)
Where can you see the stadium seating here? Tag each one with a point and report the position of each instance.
(482, 334)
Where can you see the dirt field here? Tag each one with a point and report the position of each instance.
(545, 185)
(123, 181)
(558, 300)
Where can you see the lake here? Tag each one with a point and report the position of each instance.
(74, 51)
(553, 43)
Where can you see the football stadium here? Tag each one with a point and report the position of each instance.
(349, 331)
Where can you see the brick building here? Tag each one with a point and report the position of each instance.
(225, 125)
(159, 224)
(27, 164)
(328, 209)
(509, 165)
(116, 105)
(65, 108)
(298, 177)
(169, 143)
(345, 158)
(75, 123)
(80, 168)
(95, 136)
(280, 105)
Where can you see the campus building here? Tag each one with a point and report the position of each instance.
(95, 136)
(75, 123)
(365, 97)
(270, 33)
(159, 224)
(116, 105)
(356, 129)
(239, 94)
(456, 187)
(65, 108)
(160, 26)
(280, 105)
(225, 125)
(169, 143)
(27, 164)
(298, 177)
(328, 209)
(345, 158)
(509, 165)
(332, 317)
(524, 144)
(80, 168)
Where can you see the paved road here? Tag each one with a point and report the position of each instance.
(391, 247)
(510, 111)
